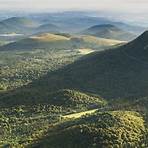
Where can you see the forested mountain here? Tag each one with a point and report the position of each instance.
(110, 73)
(71, 80)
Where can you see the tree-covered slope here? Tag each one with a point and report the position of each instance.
(119, 75)
(116, 73)
(26, 122)
(72, 98)
(64, 98)
(107, 129)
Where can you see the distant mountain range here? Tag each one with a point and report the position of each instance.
(54, 23)
(78, 21)
(22, 25)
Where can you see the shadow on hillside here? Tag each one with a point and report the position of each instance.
(113, 73)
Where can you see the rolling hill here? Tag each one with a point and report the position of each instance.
(60, 41)
(75, 99)
(18, 25)
(135, 29)
(108, 129)
(40, 109)
(109, 31)
(42, 41)
(72, 21)
(65, 98)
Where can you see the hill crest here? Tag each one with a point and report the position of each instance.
(19, 21)
(108, 31)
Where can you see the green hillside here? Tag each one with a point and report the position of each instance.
(41, 107)
(108, 129)
(28, 121)
(20, 67)
(109, 31)
(64, 98)
(114, 73)
(71, 98)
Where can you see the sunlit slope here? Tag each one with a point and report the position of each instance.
(108, 129)
(47, 37)
(43, 41)
(59, 41)
(101, 41)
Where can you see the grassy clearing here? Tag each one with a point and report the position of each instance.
(78, 115)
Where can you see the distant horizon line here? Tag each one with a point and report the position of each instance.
(120, 16)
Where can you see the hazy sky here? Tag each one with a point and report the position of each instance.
(134, 6)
